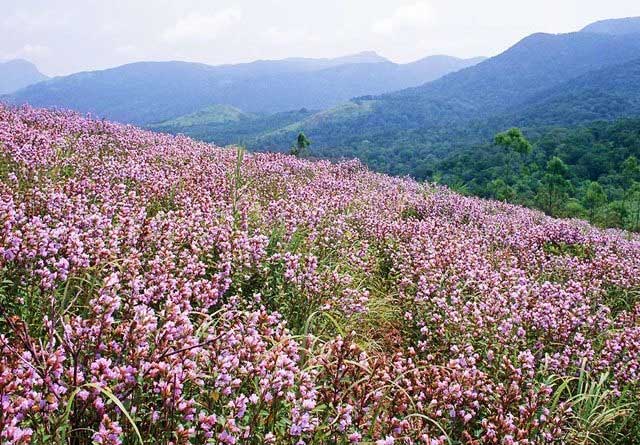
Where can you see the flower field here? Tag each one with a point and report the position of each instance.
(154, 290)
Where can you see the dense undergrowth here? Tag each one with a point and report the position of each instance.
(158, 290)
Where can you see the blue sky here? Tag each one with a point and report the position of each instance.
(64, 36)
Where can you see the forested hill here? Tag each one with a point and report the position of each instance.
(604, 94)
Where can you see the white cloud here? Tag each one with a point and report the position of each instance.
(35, 50)
(280, 36)
(126, 50)
(35, 20)
(202, 28)
(29, 52)
(412, 15)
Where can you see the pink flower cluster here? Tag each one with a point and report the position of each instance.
(158, 288)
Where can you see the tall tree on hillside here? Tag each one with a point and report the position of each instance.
(633, 196)
(630, 171)
(555, 187)
(501, 191)
(594, 198)
(301, 147)
(513, 141)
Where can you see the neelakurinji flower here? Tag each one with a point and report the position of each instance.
(210, 296)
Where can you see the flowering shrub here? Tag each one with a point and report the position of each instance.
(154, 289)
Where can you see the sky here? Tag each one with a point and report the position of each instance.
(66, 36)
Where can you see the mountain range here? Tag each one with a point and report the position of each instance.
(150, 92)
(545, 79)
(393, 116)
(16, 74)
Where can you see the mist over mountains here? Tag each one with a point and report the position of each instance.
(149, 92)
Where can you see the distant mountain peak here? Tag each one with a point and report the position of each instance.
(18, 73)
(362, 57)
(16, 62)
(22, 63)
(443, 58)
(368, 53)
(623, 26)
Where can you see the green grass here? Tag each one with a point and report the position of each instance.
(598, 414)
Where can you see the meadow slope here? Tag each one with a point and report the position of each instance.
(154, 289)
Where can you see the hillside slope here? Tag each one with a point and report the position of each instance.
(225, 125)
(152, 92)
(156, 288)
(604, 94)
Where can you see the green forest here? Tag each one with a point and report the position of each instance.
(589, 172)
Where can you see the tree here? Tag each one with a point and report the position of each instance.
(555, 187)
(513, 141)
(501, 191)
(594, 198)
(615, 214)
(557, 167)
(573, 209)
(634, 206)
(630, 171)
(301, 148)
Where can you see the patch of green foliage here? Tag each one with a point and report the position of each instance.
(565, 249)
(619, 299)
(301, 147)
